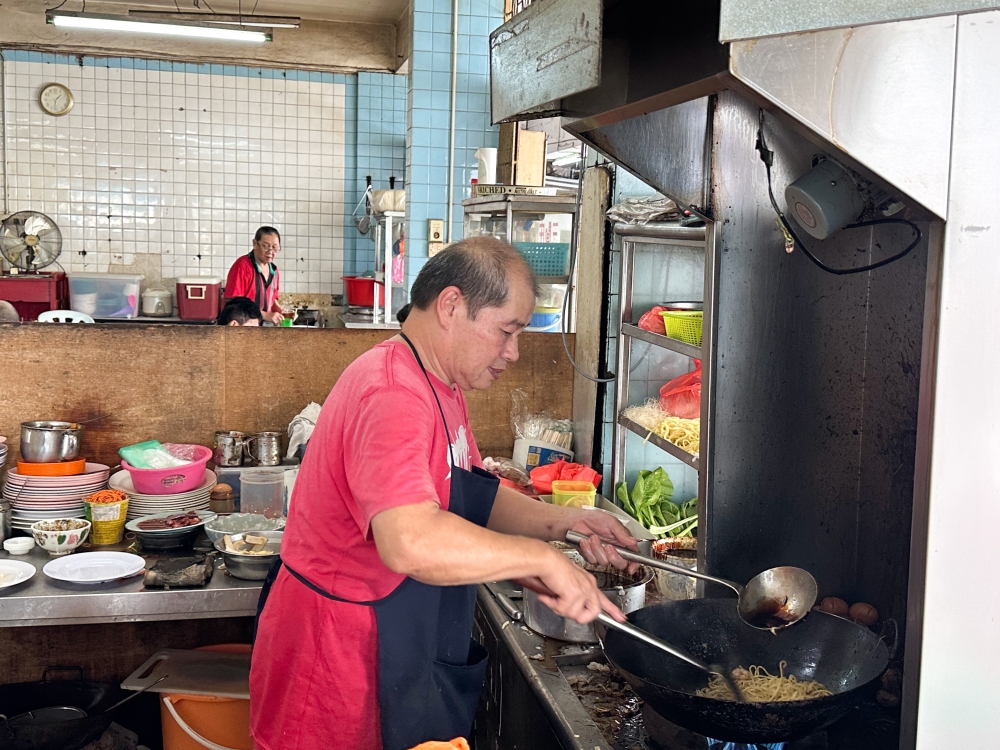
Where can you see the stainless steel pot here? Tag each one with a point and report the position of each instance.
(628, 592)
(251, 567)
(48, 442)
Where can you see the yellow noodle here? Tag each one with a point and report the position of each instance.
(760, 686)
(684, 433)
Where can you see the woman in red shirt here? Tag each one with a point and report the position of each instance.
(255, 275)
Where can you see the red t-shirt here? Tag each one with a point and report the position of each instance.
(242, 281)
(379, 443)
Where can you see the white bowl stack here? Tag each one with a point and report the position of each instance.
(140, 504)
(44, 498)
(3, 452)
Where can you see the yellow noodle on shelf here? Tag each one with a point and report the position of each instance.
(760, 686)
(684, 433)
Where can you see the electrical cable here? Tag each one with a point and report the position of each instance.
(767, 156)
(59, 6)
(564, 322)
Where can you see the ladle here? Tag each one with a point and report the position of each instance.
(773, 600)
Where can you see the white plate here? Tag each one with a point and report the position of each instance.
(13, 572)
(133, 525)
(94, 567)
(42, 515)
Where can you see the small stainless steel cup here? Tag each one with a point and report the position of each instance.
(229, 447)
(264, 448)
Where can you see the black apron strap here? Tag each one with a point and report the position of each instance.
(260, 285)
(447, 433)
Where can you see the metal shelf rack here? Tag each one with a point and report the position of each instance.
(667, 234)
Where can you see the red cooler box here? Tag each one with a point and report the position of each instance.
(198, 297)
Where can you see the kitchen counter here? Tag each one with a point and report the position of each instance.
(532, 705)
(46, 601)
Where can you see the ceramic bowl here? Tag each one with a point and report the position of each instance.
(60, 542)
(19, 545)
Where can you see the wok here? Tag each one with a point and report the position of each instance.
(20, 698)
(845, 657)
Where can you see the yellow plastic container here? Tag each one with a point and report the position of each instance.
(107, 521)
(573, 494)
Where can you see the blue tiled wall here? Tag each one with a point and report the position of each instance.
(380, 127)
(429, 104)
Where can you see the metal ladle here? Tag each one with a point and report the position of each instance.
(773, 600)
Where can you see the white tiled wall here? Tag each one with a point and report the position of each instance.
(184, 165)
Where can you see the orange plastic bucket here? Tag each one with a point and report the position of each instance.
(196, 722)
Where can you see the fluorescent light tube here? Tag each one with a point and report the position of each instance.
(118, 23)
(216, 19)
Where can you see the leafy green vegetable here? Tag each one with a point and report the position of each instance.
(649, 503)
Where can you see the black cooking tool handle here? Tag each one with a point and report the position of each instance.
(78, 670)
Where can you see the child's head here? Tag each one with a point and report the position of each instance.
(239, 311)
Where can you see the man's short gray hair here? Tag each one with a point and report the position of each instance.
(479, 266)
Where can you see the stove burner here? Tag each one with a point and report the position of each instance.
(722, 745)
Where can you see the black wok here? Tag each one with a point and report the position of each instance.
(22, 697)
(845, 657)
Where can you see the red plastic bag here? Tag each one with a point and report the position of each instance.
(681, 397)
(653, 321)
(542, 477)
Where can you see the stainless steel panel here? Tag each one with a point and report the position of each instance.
(748, 19)
(815, 387)
(545, 53)
(666, 149)
(958, 701)
(881, 93)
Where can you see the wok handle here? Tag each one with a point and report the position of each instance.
(575, 537)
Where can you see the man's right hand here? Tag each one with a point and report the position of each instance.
(274, 318)
(570, 591)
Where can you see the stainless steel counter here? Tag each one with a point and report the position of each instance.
(45, 601)
(509, 716)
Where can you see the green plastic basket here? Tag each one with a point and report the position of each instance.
(683, 326)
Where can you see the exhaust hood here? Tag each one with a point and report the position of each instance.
(627, 75)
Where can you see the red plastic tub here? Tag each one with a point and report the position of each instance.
(173, 480)
(198, 298)
(360, 291)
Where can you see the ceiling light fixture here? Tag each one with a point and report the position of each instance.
(97, 22)
(217, 19)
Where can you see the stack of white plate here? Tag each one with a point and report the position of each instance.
(146, 505)
(3, 451)
(41, 498)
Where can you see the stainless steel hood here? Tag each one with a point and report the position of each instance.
(881, 94)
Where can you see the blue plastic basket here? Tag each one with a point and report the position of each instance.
(546, 258)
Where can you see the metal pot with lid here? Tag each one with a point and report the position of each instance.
(158, 303)
(47, 441)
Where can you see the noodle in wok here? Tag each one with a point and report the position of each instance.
(760, 686)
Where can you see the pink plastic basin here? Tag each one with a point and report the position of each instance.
(173, 480)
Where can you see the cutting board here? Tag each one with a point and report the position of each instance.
(194, 673)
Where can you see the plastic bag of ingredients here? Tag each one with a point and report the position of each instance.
(681, 397)
(644, 210)
(535, 427)
(153, 455)
(653, 321)
(542, 477)
(506, 468)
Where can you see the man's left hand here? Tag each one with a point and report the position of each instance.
(604, 532)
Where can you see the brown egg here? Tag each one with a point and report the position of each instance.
(834, 606)
(863, 613)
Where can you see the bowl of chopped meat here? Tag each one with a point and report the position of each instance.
(166, 531)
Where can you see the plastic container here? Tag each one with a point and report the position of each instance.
(545, 258)
(194, 722)
(683, 326)
(105, 295)
(532, 453)
(573, 494)
(263, 491)
(172, 480)
(198, 297)
(107, 521)
(360, 291)
(545, 320)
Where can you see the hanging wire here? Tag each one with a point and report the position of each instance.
(767, 156)
(574, 246)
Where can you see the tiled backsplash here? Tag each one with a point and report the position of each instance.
(185, 161)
